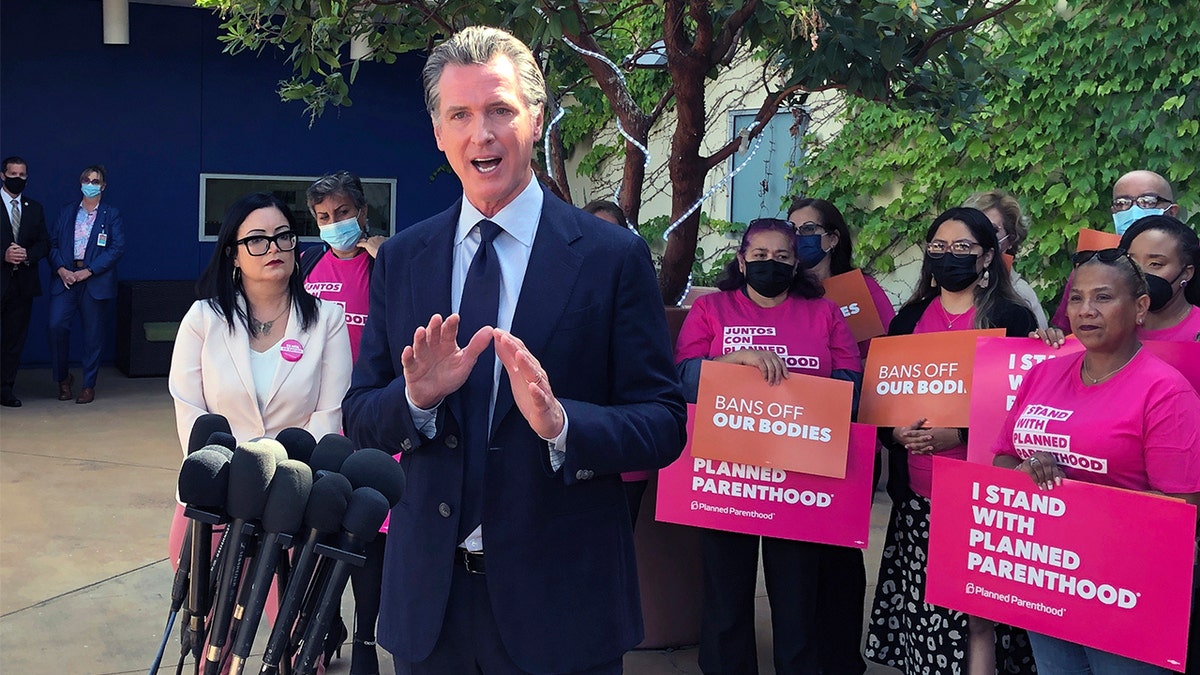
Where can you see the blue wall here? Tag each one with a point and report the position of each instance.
(169, 106)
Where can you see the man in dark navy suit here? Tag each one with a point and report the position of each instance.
(517, 354)
(24, 240)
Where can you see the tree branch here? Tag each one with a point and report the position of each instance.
(768, 110)
(727, 40)
(943, 34)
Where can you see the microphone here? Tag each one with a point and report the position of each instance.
(374, 468)
(223, 439)
(330, 452)
(204, 486)
(205, 426)
(298, 442)
(364, 516)
(271, 444)
(282, 517)
(250, 474)
(326, 507)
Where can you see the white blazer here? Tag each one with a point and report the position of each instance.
(210, 373)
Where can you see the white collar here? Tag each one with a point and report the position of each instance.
(519, 218)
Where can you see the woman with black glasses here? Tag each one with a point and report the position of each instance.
(767, 294)
(1121, 404)
(257, 348)
(963, 285)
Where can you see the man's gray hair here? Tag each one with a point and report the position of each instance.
(342, 182)
(478, 45)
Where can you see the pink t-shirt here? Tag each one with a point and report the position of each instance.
(1139, 430)
(883, 305)
(1187, 330)
(346, 283)
(935, 319)
(810, 336)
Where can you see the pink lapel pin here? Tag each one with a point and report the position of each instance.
(291, 350)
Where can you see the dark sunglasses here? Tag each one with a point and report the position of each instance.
(1105, 255)
(771, 222)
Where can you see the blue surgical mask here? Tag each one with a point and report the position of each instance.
(90, 191)
(342, 235)
(809, 251)
(1123, 219)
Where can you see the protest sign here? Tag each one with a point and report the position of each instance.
(1095, 240)
(1000, 367)
(1090, 564)
(849, 290)
(772, 502)
(927, 375)
(801, 424)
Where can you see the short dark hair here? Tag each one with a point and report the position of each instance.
(839, 257)
(611, 208)
(98, 168)
(804, 284)
(217, 284)
(13, 159)
(1186, 241)
(342, 182)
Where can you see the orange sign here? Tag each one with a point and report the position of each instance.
(1095, 240)
(802, 424)
(908, 377)
(849, 290)
(1008, 261)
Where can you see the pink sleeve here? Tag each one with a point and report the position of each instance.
(843, 349)
(1003, 443)
(696, 334)
(1172, 443)
(883, 303)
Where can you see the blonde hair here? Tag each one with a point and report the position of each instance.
(1016, 223)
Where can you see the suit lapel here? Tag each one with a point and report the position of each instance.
(237, 342)
(553, 270)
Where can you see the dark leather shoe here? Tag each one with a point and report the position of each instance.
(86, 395)
(10, 402)
(64, 388)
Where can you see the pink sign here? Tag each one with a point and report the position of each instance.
(1001, 364)
(1081, 562)
(722, 495)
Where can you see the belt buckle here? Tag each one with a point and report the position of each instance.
(468, 558)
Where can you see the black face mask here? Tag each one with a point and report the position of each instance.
(15, 185)
(769, 278)
(953, 273)
(1160, 290)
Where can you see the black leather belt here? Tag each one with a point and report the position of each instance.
(79, 264)
(471, 560)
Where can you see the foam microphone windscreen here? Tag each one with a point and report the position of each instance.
(213, 447)
(204, 479)
(250, 474)
(287, 497)
(271, 444)
(327, 503)
(298, 442)
(203, 427)
(371, 467)
(330, 452)
(365, 513)
(223, 439)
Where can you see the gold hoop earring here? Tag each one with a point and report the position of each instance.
(237, 276)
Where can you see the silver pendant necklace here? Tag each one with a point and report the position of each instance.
(263, 328)
(1110, 373)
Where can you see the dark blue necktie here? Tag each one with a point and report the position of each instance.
(479, 307)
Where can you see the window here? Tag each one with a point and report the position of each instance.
(218, 191)
(758, 190)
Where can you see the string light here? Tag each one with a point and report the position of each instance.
(549, 128)
(729, 176)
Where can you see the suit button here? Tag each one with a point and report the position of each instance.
(583, 474)
(452, 442)
(444, 509)
(406, 445)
